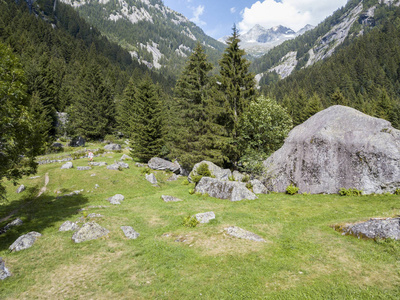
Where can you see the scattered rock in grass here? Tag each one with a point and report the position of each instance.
(123, 165)
(114, 167)
(258, 187)
(237, 176)
(139, 165)
(219, 173)
(129, 232)
(34, 177)
(118, 166)
(77, 142)
(373, 229)
(16, 222)
(83, 168)
(68, 226)
(111, 147)
(98, 164)
(126, 157)
(157, 163)
(173, 177)
(116, 199)
(4, 272)
(170, 198)
(243, 234)
(67, 165)
(89, 231)
(20, 189)
(96, 186)
(205, 217)
(92, 175)
(231, 190)
(77, 192)
(151, 178)
(94, 215)
(25, 241)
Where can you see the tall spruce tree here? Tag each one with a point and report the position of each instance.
(237, 88)
(196, 135)
(147, 122)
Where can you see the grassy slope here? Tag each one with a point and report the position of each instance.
(303, 258)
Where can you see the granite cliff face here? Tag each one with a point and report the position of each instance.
(338, 147)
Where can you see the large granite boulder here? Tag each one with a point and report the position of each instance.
(231, 190)
(89, 231)
(4, 272)
(25, 241)
(217, 172)
(157, 163)
(338, 147)
(258, 187)
(374, 228)
(111, 147)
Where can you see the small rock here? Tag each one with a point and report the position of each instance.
(205, 217)
(170, 198)
(126, 157)
(68, 226)
(139, 165)
(258, 187)
(83, 168)
(16, 222)
(157, 163)
(20, 189)
(151, 178)
(173, 177)
(96, 186)
(243, 234)
(129, 232)
(25, 241)
(116, 199)
(111, 147)
(89, 231)
(98, 164)
(94, 215)
(114, 167)
(34, 177)
(67, 165)
(123, 165)
(4, 272)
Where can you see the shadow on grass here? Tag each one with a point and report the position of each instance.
(38, 214)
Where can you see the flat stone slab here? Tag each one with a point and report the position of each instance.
(98, 164)
(68, 226)
(151, 178)
(67, 165)
(25, 241)
(231, 190)
(170, 198)
(129, 232)
(89, 231)
(205, 217)
(16, 222)
(83, 168)
(4, 272)
(243, 234)
(116, 199)
(374, 228)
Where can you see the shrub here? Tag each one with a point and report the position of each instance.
(196, 178)
(191, 191)
(145, 171)
(190, 221)
(291, 189)
(231, 178)
(110, 138)
(249, 186)
(397, 191)
(185, 182)
(203, 170)
(350, 192)
(246, 178)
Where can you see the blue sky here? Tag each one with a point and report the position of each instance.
(216, 17)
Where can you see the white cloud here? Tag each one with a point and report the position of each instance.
(233, 10)
(294, 14)
(197, 12)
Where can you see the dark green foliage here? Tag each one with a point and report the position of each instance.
(397, 191)
(195, 134)
(291, 189)
(202, 171)
(350, 192)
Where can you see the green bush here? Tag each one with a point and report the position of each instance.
(196, 178)
(397, 191)
(291, 189)
(350, 192)
(231, 178)
(110, 138)
(185, 182)
(191, 191)
(202, 171)
(246, 178)
(190, 221)
(145, 171)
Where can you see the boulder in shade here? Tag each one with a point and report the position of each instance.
(111, 147)
(67, 165)
(231, 190)
(151, 178)
(205, 217)
(16, 222)
(25, 241)
(77, 142)
(20, 189)
(4, 272)
(68, 226)
(170, 198)
(217, 172)
(243, 234)
(129, 232)
(116, 199)
(157, 163)
(336, 148)
(89, 231)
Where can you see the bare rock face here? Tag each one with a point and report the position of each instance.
(4, 272)
(25, 241)
(89, 231)
(231, 190)
(338, 147)
(374, 228)
(219, 173)
(157, 163)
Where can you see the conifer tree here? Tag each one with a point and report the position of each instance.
(312, 106)
(147, 122)
(126, 109)
(196, 135)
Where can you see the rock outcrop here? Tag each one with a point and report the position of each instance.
(231, 190)
(157, 163)
(68, 226)
(374, 228)
(25, 241)
(4, 272)
(89, 231)
(243, 234)
(338, 147)
(151, 178)
(205, 217)
(116, 199)
(67, 165)
(258, 187)
(20, 189)
(217, 172)
(111, 147)
(130, 233)
(83, 168)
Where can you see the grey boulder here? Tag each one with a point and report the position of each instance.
(237, 176)
(173, 177)
(129, 232)
(243, 234)
(231, 190)
(4, 272)
(375, 228)
(217, 172)
(151, 178)
(98, 164)
(126, 157)
(111, 147)
(170, 198)
(20, 189)
(67, 165)
(83, 168)
(16, 222)
(25, 241)
(258, 187)
(157, 163)
(205, 217)
(338, 147)
(68, 226)
(116, 199)
(89, 231)
(118, 165)
(77, 142)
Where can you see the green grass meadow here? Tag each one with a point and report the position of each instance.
(302, 258)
